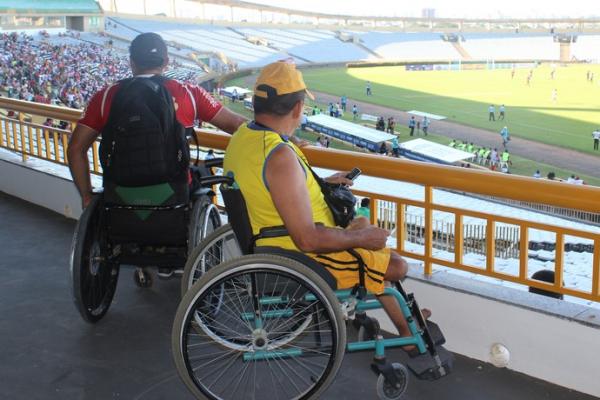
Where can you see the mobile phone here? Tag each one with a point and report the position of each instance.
(352, 175)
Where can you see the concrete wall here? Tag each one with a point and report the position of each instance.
(47, 190)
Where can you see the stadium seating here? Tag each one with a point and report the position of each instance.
(587, 47)
(510, 47)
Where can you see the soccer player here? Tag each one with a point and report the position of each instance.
(369, 92)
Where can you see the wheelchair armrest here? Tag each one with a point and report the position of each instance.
(272, 232)
(213, 162)
(215, 180)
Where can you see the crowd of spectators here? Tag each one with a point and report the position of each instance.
(60, 74)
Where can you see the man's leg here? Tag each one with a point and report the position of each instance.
(396, 271)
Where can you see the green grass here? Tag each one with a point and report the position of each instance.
(464, 97)
(521, 166)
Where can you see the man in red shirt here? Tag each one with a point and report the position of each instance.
(148, 57)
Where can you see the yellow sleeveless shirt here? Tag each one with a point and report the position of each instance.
(246, 157)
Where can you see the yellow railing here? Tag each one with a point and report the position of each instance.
(31, 140)
(432, 176)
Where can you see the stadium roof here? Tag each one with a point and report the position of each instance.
(49, 7)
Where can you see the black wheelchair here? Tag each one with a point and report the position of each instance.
(264, 322)
(155, 226)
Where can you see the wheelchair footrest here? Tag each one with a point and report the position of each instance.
(436, 333)
(426, 367)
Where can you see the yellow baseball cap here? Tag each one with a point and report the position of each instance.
(280, 78)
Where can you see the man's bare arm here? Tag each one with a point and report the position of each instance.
(79, 164)
(287, 186)
(227, 120)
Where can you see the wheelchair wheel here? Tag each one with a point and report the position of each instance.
(386, 391)
(218, 247)
(262, 299)
(94, 277)
(205, 218)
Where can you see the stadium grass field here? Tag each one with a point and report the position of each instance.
(464, 97)
(521, 166)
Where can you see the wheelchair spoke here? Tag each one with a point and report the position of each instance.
(253, 330)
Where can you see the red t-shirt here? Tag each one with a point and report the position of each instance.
(191, 103)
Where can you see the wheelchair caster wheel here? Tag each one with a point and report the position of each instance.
(387, 390)
(142, 278)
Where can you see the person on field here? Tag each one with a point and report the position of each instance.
(276, 181)
(425, 125)
(505, 136)
(596, 137)
(369, 92)
(491, 113)
(395, 147)
(502, 111)
(391, 124)
(354, 112)
(412, 123)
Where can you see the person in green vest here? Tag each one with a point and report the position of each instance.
(480, 155)
(462, 146)
(470, 147)
(452, 143)
(486, 156)
(364, 210)
(506, 157)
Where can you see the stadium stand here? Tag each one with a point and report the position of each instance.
(510, 47)
(587, 47)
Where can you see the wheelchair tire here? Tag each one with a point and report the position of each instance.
(204, 219)
(300, 366)
(94, 278)
(385, 391)
(218, 247)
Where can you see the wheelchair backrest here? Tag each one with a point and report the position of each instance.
(237, 215)
(148, 215)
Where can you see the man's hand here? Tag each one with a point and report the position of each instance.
(373, 238)
(340, 177)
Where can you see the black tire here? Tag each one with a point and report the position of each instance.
(257, 277)
(218, 247)
(204, 219)
(94, 278)
(385, 391)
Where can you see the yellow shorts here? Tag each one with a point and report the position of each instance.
(344, 267)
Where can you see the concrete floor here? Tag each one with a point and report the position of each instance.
(48, 352)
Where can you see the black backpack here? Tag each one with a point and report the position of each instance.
(143, 143)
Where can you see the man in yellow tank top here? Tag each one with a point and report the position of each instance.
(279, 189)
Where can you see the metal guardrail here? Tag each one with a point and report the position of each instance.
(30, 140)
